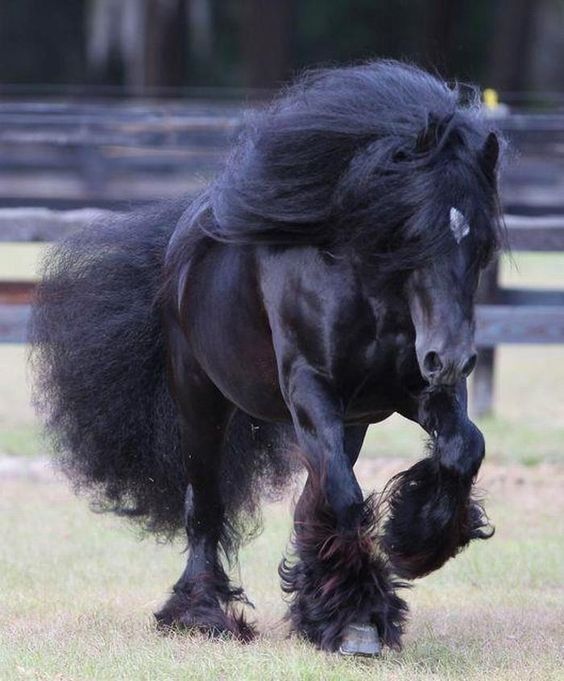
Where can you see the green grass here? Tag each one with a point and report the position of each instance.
(535, 270)
(78, 591)
(22, 440)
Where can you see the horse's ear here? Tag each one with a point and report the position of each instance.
(489, 156)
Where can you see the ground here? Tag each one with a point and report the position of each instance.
(77, 589)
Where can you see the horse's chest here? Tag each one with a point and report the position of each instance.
(376, 375)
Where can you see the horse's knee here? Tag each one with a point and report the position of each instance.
(463, 451)
(344, 498)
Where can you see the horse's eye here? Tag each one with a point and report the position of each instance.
(486, 255)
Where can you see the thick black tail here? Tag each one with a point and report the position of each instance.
(99, 355)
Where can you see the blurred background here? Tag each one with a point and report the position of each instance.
(105, 104)
(137, 47)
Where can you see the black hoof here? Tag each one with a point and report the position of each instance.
(339, 582)
(181, 613)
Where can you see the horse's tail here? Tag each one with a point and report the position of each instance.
(99, 355)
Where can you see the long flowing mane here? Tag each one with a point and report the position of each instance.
(372, 157)
(374, 154)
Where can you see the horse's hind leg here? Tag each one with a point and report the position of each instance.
(203, 597)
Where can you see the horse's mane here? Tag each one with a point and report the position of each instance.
(372, 155)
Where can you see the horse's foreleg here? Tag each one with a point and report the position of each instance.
(432, 514)
(342, 594)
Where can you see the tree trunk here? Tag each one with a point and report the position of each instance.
(200, 27)
(267, 32)
(440, 18)
(166, 43)
(147, 37)
(511, 48)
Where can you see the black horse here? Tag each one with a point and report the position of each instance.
(323, 282)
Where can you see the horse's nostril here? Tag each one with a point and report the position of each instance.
(469, 365)
(432, 363)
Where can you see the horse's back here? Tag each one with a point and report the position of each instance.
(222, 317)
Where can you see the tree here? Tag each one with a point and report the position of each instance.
(266, 33)
(511, 47)
(146, 38)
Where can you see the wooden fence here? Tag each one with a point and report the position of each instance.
(111, 155)
(62, 165)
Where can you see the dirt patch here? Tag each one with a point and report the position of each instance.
(534, 486)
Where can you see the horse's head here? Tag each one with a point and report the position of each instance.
(386, 165)
(441, 293)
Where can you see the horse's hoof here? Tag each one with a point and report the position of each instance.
(361, 639)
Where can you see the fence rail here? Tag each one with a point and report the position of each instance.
(87, 158)
(109, 155)
(504, 315)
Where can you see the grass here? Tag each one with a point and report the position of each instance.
(22, 441)
(20, 261)
(528, 426)
(79, 589)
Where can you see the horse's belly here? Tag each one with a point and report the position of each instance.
(252, 383)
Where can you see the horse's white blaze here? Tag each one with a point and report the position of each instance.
(458, 224)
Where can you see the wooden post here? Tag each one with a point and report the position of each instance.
(483, 383)
(484, 374)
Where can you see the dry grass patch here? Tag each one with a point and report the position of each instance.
(78, 591)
